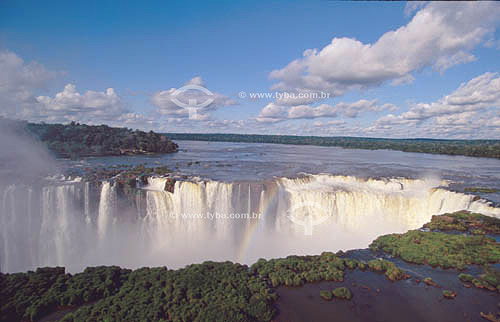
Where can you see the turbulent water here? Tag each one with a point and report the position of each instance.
(78, 224)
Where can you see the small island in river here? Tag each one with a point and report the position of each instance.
(76, 140)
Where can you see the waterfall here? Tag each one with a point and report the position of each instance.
(77, 224)
(357, 204)
(7, 250)
(106, 207)
(86, 205)
(62, 227)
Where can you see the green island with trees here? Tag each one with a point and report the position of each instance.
(440, 245)
(75, 140)
(80, 140)
(473, 148)
(226, 291)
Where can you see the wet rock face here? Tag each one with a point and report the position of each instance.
(127, 187)
(169, 185)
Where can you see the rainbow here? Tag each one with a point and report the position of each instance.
(267, 198)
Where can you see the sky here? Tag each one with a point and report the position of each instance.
(329, 68)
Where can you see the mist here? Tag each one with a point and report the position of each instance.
(78, 224)
(22, 158)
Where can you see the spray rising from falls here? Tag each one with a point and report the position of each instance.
(82, 224)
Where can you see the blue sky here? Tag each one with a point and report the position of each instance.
(394, 70)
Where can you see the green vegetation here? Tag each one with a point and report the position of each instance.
(476, 224)
(32, 295)
(392, 272)
(202, 292)
(342, 293)
(465, 277)
(326, 295)
(489, 280)
(474, 148)
(440, 249)
(80, 140)
(430, 282)
(450, 250)
(297, 270)
(481, 190)
(449, 294)
(489, 317)
(234, 292)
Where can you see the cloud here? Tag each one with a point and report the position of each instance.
(90, 106)
(467, 125)
(167, 101)
(330, 123)
(273, 113)
(479, 93)
(18, 82)
(470, 111)
(412, 6)
(440, 35)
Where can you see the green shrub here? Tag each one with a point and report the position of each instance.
(449, 294)
(440, 249)
(342, 293)
(465, 277)
(326, 295)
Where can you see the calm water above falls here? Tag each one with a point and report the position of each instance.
(309, 199)
(233, 162)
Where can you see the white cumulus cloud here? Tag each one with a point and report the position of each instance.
(89, 106)
(439, 35)
(472, 110)
(273, 113)
(18, 82)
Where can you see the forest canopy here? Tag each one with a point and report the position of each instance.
(80, 140)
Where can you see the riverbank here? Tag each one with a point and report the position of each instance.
(473, 148)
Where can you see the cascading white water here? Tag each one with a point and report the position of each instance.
(305, 215)
(106, 207)
(7, 225)
(40, 226)
(86, 202)
(354, 203)
(60, 225)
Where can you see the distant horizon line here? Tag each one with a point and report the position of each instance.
(322, 136)
(251, 134)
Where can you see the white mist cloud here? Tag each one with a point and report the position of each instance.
(21, 157)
